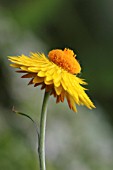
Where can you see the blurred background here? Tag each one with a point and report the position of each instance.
(82, 141)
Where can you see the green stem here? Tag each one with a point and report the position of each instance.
(41, 148)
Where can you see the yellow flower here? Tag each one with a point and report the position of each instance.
(57, 74)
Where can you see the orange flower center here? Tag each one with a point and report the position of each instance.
(65, 59)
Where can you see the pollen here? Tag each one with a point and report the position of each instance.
(65, 59)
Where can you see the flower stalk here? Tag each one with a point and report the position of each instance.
(41, 147)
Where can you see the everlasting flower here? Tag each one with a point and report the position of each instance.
(57, 74)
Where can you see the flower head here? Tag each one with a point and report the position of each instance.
(57, 74)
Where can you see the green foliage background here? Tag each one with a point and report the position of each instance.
(83, 141)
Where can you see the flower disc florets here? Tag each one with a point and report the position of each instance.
(65, 59)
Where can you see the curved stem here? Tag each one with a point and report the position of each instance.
(41, 148)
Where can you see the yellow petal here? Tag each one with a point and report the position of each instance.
(57, 78)
(64, 80)
(46, 67)
(50, 71)
(73, 88)
(38, 80)
(71, 102)
(58, 90)
(14, 65)
(33, 69)
(48, 78)
(24, 68)
(48, 82)
(41, 74)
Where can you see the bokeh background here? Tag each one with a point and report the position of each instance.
(82, 141)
